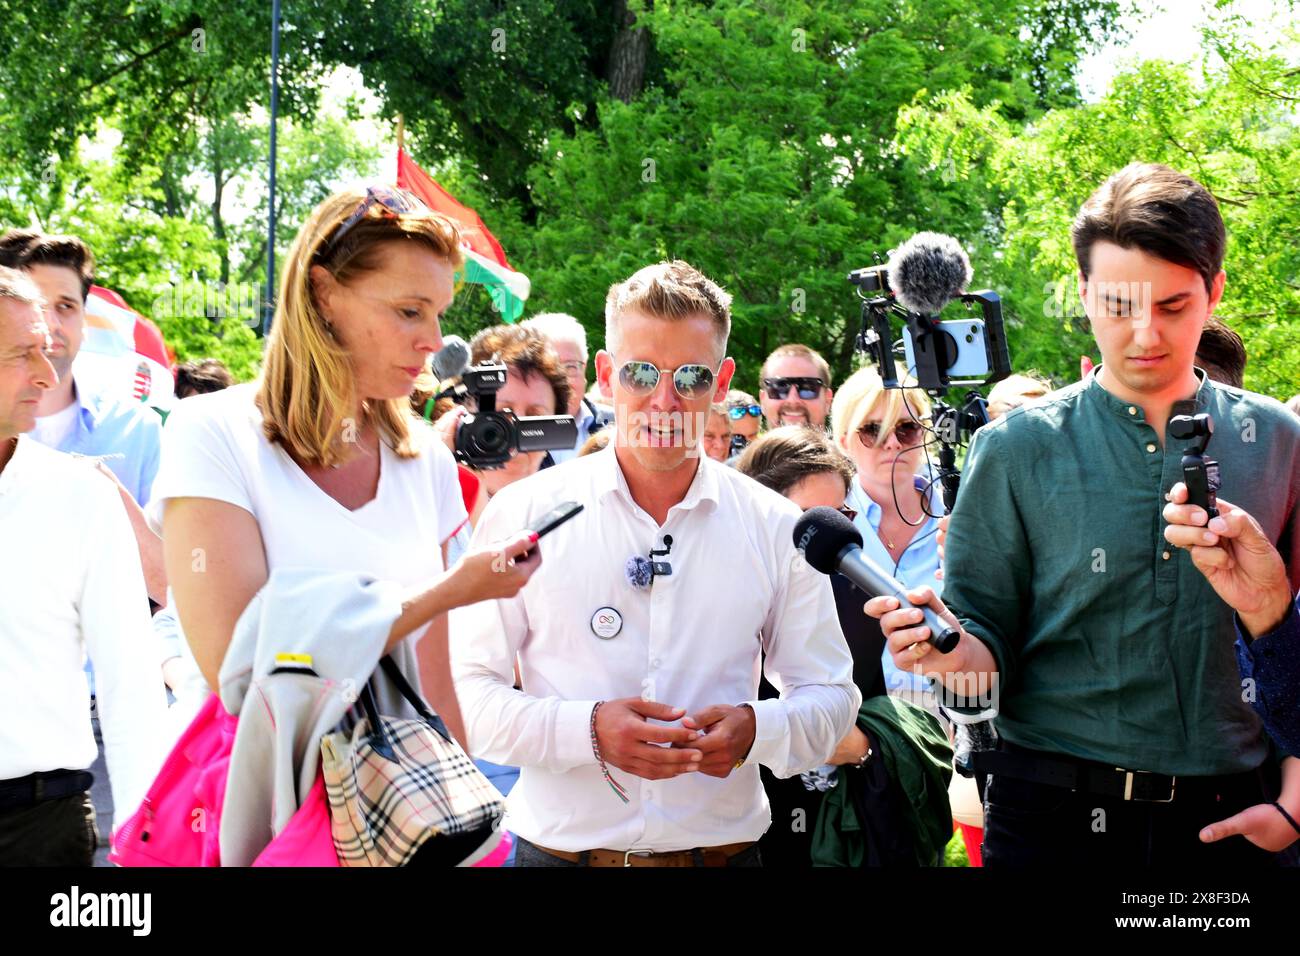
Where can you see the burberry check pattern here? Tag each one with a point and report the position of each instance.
(382, 811)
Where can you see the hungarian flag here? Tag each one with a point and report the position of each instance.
(123, 353)
(485, 260)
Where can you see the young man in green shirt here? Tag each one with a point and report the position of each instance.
(1125, 726)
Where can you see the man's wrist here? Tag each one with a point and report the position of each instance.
(1259, 623)
(753, 733)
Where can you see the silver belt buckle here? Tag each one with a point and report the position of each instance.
(628, 853)
(1128, 787)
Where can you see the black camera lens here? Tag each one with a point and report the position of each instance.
(489, 437)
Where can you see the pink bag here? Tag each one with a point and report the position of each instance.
(179, 819)
(176, 824)
(307, 839)
(499, 856)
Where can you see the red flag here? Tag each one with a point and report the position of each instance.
(414, 179)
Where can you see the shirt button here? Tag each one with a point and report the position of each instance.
(1150, 446)
(1165, 555)
(655, 662)
(1132, 410)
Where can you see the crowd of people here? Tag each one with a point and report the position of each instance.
(663, 681)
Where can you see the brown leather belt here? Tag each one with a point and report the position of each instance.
(708, 856)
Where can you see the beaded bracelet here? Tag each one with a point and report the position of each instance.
(1295, 826)
(595, 748)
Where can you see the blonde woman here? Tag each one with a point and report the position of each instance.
(885, 433)
(320, 463)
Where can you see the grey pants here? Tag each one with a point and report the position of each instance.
(528, 854)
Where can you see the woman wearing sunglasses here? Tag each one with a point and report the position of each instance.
(320, 463)
(885, 433)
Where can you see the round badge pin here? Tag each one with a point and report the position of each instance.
(606, 623)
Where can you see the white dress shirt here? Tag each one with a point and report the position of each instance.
(692, 639)
(71, 583)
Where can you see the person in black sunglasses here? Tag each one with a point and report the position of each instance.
(795, 387)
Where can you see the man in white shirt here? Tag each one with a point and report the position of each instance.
(568, 339)
(70, 581)
(126, 437)
(638, 727)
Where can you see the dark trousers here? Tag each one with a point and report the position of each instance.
(1034, 824)
(529, 854)
(58, 832)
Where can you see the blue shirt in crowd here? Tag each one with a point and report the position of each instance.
(126, 436)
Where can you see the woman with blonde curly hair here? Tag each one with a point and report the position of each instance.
(320, 463)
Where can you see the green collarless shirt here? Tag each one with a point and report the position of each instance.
(1110, 645)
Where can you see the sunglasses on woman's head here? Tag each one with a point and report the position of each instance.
(394, 202)
(907, 433)
(738, 412)
(779, 388)
(690, 381)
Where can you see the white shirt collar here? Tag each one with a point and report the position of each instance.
(609, 479)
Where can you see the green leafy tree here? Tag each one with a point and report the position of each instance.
(1231, 127)
(766, 158)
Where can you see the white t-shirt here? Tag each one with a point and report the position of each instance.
(53, 430)
(214, 447)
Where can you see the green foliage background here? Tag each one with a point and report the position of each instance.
(774, 145)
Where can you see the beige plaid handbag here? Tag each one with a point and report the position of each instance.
(403, 792)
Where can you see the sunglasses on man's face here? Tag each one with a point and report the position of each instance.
(690, 381)
(779, 388)
(907, 433)
(740, 411)
(393, 202)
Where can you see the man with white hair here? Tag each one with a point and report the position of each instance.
(569, 340)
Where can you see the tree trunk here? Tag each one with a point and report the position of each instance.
(219, 225)
(627, 55)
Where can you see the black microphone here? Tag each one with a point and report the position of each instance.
(452, 359)
(831, 543)
(928, 271)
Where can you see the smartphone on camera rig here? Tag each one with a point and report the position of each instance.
(489, 438)
(957, 352)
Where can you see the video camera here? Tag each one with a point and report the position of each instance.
(488, 438)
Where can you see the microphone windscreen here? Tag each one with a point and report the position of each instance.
(928, 271)
(638, 571)
(821, 533)
(452, 359)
